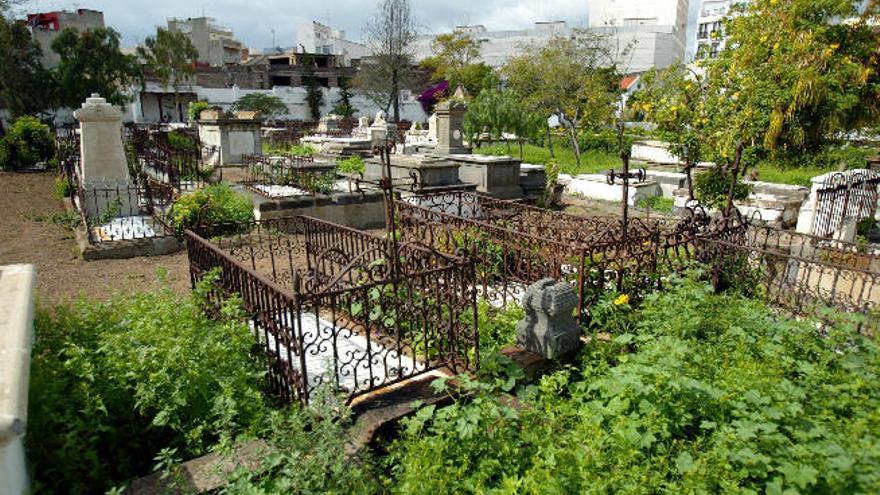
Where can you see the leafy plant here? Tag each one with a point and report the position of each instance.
(706, 393)
(266, 105)
(712, 187)
(115, 383)
(211, 207)
(27, 144)
(196, 108)
(62, 188)
(351, 167)
(656, 203)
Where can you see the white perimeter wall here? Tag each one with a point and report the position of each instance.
(294, 98)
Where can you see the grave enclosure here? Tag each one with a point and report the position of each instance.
(331, 305)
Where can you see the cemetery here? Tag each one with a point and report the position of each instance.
(356, 302)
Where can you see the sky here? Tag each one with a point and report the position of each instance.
(253, 21)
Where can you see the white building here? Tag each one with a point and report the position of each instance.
(496, 47)
(710, 27)
(314, 37)
(647, 33)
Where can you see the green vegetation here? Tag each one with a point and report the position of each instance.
(115, 384)
(454, 60)
(267, 106)
(171, 57)
(657, 203)
(711, 188)
(767, 405)
(28, 144)
(592, 161)
(303, 151)
(181, 142)
(62, 188)
(213, 204)
(196, 108)
(353, 165)
(91, 62)
(496, 112)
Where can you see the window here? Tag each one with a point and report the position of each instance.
(703, 32)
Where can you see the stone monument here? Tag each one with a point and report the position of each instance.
(450, 127)
(103, 165)
(233, 134)
(549, 329)
(380, 128)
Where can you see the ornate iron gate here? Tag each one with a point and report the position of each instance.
(844, 195)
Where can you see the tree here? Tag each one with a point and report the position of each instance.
(91, 62)
(495, 112)
(455, 61)
(573, 78)
(389, 69)
(343, 105)
(268, 106)
(25, 87)
(802, 74)
(314, 95)
(793, 76)
(170, 56)
(675, 100)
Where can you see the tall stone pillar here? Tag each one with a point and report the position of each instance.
(103, 166)
(450, 128)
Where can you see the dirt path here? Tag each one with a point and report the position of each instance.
(29, 235)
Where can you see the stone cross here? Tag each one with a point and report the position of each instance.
(549, 328)
(450, 128)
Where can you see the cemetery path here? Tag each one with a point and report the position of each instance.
(32, 231)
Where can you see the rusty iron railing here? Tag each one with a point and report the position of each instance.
(333, 306)
(515, 245)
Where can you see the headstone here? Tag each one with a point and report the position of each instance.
(549, 327)
(450, 127)
(328, 123)
(364, 122)
(234, 135)
(104, 167)
(432, 126)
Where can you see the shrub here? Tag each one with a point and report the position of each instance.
(708, 394)
(353, 165)
(712, 187)
(196, 108)
(181, 142)
(601, 141)
(28, 144)
(114, 383)
(212, 205)
(62, 188)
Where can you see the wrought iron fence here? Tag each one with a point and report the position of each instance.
(288, 175)
(333, 306)
(119, 212)
(845, 195)
(799, 273)
(515, 245)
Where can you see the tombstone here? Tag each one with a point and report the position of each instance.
(328, 123)
(104, 172)
(432, 127)
(549, 328)
(380, 128)
(364, 122)
(233, 134)
(450, 128)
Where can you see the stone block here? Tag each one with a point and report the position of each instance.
(549, 327)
